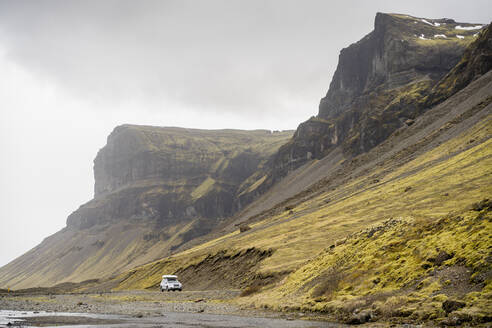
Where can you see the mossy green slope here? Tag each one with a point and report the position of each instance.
(395, 241)
(400, 268)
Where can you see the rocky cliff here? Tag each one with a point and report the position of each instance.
(379, 84)
(155, 189)
(168, 175)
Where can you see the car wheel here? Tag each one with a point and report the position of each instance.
(162, 289)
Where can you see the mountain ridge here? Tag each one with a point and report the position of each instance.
(428, 126)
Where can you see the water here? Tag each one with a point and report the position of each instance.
(16, 318)
(167, 320)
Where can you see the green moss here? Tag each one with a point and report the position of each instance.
(389, 259)
(257, 184)
(203, 188)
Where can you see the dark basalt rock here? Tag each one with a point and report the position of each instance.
(382, 82)
(452, 305)
(171, 175)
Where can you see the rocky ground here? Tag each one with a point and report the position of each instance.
(145, 307)
(133, 303)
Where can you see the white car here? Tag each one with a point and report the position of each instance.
(170, 282)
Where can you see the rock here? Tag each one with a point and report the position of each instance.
(485, 203)
(409, 122)
(452, 305)
(244, 228)
(360, 318)
(451, 321)
(426, 265)
(440, 258)
(180, 163)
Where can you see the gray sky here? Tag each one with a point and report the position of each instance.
(70, 71)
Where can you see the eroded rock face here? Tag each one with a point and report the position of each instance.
(170, 175)
(380, 82)
(400, 50)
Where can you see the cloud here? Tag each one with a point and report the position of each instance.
(221, 56)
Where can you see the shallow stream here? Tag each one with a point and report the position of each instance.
(171, 319)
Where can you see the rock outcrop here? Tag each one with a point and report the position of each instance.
(168, 175)
(380, 82)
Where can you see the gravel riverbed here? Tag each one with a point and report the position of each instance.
(144, 308)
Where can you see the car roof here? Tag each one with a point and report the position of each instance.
(167, 276)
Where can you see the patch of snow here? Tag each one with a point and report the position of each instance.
(460, 36)
(422, 37)
(476, 27)
(440, 36)
(475, 35)
(431, 24)
(424, 21)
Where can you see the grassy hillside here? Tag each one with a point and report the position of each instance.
(406, 267)
(390, 238)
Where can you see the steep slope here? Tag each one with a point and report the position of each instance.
(390, 233)
(381, 82)
(438, 165)
(155, 188)
(321, 144)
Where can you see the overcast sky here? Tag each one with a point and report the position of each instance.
(70, 71)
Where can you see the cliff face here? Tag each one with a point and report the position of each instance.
(155, 189)
(394, 54)
(380, 82)
(167, 175)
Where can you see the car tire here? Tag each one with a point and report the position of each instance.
(162, 289)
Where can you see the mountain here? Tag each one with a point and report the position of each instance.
(379, 84)
(382, 83)
(378, 208)
(399, 232)
(155, 189)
